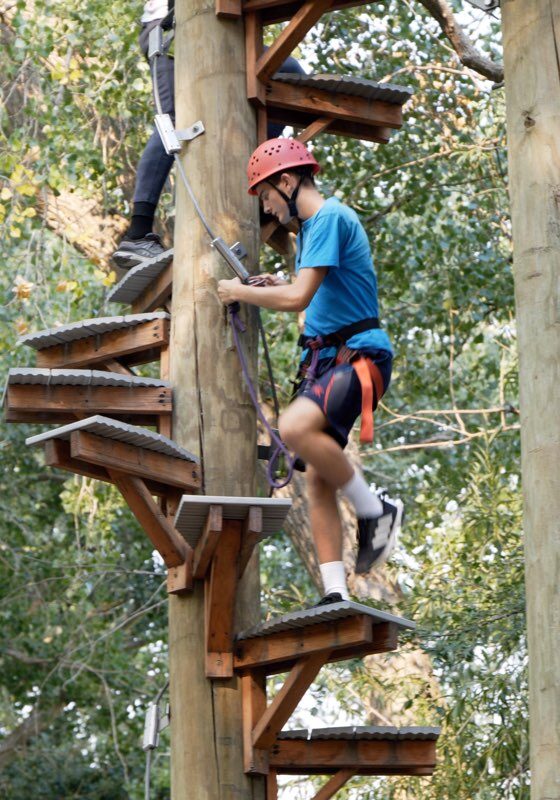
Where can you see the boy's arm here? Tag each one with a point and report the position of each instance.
(294, 296)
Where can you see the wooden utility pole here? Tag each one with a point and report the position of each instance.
(532, 69)
(213, 415)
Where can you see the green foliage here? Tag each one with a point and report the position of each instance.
(84, 628)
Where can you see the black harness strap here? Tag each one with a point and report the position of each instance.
(342, 335)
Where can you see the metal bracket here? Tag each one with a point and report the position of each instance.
(239, 250)
(485, 5)
(153, 725)
(230, 254)
(171, 139)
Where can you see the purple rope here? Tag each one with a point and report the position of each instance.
(238, 327)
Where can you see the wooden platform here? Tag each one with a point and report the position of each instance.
(344, 630)
(147, 286)
(61, 395)
(362, 750)
(97, 445)
(355, 107)
(132, 339)
(193, 512)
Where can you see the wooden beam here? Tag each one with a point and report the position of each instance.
(166, 540)
(336, 105)
(34, 400)
(344, 638)
(112, 365)
(362, 756)
(208, 542)
(338, 780)
(253, 51)
(139, 461)
(301, 676)
(273, 11)
(157, 294)
(115, 344)
(57, 454)
(272, 785)
(180, 578)
(219, 601)
(228, 9)
(292, 35)
(251, 536)
(253, 690)
(314, 129)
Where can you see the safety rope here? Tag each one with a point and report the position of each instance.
(238, 327)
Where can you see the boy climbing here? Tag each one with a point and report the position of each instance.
(346, 360)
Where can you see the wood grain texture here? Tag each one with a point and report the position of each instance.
(212, 410)
(532, 71)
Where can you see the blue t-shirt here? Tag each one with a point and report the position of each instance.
(334, 237)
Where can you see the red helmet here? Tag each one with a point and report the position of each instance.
(276, 155)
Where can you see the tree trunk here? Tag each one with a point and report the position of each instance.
(212, 410)
(532, 67)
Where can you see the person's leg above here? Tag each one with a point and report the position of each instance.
(139, 242)
(326, 529)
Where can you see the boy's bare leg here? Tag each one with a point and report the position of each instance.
(326, 526)
(302, 428)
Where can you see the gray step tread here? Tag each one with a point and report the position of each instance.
(64, 334)
(350, 84)
(139, 278)
(79, 377)
(366, 732)
(119, 431)
(317, 615)
(193, 510)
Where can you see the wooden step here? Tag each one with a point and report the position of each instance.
(272, 11)
(62, 395)
(357, 107)
(345, 752)
(97, 445)
(132, 339)
(341, 630)
(140, 463)
(223, 532)
(147, 286)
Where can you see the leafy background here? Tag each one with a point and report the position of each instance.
(83, 646)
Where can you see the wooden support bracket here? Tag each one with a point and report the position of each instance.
(219, 601)
(57, 454)
(334, 784)
(252, 534)
(166, 540)
(253, 694)
(206, 547)
(300, 678)
(294, 32)
(132, 460)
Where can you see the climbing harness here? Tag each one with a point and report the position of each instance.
(171, 140)
(366, 371)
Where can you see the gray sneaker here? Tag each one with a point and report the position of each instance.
(132, 252)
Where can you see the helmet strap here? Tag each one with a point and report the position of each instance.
(291, 200)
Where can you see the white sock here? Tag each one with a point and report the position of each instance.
(365, 502)
(334, 578)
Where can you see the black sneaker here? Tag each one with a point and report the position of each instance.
(333, 597)
(132, 252)
(377, 536)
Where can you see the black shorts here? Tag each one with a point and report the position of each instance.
(338, 393)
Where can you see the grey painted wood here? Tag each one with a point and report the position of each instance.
(364, 733)
(85, 328)
(79, 377)
(120, 431)
(329, 613)
(193, 511)
(349, 84)
(139, 278)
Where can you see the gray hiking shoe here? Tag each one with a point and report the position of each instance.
(132, 252)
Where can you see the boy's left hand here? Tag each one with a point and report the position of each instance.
(227, 290)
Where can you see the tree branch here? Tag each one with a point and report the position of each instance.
(465, 49)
